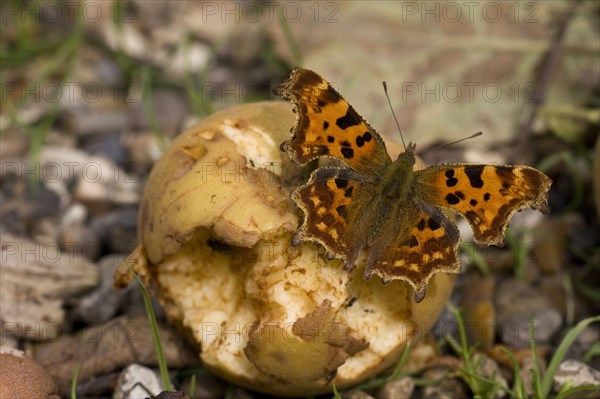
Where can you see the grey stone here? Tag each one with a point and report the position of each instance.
(448, 387)
(576, 374)
(137, 381)
(488, 368)
(517, 305)
(527, 364)
(356, 394)
(400, 388)
(104, 302)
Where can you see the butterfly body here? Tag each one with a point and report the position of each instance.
(367, 201)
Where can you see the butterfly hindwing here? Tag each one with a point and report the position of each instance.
(328, 126)
(486, 195)
(426, 244)
(332, 202)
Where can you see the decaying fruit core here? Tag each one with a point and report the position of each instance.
(215, 229)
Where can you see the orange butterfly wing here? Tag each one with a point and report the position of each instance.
(333, 202)
(486, 195)
(426, 244)
(328, 126)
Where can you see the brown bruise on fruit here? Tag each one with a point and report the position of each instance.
(415, 254)
(328, 126)
(486, 195)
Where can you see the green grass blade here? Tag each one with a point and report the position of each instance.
(571, 392)
(561, 351)
(476, 258)
(162, 364)
(192, 386)
(74, 381)
(536, 381)
(518, 386)
(336, 394)
(592, 352)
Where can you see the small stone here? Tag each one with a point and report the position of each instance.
(356, 394)
(25, 202)
(446, 325)
(80, 241)
(100, 349)
(106, 145)
(576, 374)
(518, 304)
(170, 108)
(448, 387)
(401, 388)
(528, 364)
(516, 330)
(488, 368)
(36, 281)
(104, 302)
(23, 377)
(137, 381)
(84, 121)
(117, 229)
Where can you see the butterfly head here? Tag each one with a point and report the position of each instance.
(408, 156)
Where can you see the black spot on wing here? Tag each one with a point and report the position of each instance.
(474, 175)
(460, 194)
(341, 183)
(421, 225)
(360, 141)
(349, 191)
(330, 139)
(473, 202)
(413, 242)
(325, 125)
(486, 197)
(452, 199)
(451, 181)
(350, 119)
(347, 152)
(367, 136)
(433, 225)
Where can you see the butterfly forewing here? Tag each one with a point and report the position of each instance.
(328, 126)
(486, 195)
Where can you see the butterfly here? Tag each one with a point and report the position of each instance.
(367, 201)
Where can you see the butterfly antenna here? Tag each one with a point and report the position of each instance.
(455, 142)
(393, 114)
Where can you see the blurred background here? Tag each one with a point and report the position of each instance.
(92, 92)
